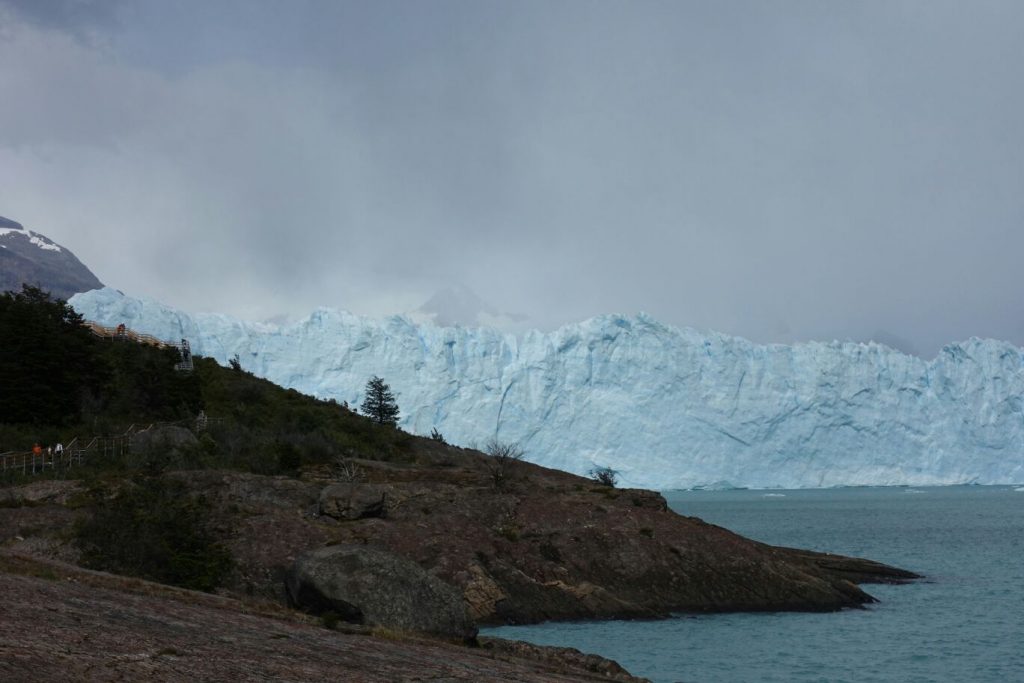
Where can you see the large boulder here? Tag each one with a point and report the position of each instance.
(368, 586)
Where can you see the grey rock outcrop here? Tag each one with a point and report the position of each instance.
(354, 501)
(368, 586)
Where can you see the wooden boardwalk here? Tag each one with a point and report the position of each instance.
(80, 450)
(127, 334)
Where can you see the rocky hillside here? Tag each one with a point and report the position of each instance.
(32, 258)
(278, 499)
(547, 545)
(427, 545)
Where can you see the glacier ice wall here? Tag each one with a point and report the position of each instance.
(667, 407)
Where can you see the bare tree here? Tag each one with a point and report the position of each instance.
(605, 476)
(347, 470)
(502, 458)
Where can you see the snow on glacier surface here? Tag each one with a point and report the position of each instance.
(666, 407)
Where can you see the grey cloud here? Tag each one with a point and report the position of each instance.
(783, 172)
(77, 17)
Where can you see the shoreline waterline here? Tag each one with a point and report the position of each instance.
(967, 540)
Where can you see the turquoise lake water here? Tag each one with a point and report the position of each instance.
(965, 622)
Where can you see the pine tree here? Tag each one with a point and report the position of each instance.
(48, 360)
(380, 405)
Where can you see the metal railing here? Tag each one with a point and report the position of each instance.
(78, 450)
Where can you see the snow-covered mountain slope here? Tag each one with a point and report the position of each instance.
(32, 258)
(667, 407)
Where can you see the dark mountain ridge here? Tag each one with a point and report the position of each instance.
(28, 257)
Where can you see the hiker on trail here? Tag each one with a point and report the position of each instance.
(37, 449)
(121, 331)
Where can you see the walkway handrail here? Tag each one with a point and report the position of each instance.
(73, 452)
(107, 332)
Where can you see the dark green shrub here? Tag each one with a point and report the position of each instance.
(330, 619)
(48, 360)
(550, 552)
(144, 383)
(153, 529)
(289, 458)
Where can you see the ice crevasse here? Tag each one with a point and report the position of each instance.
(667, 407)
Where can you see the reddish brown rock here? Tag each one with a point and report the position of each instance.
(61, 623)
(549, 545)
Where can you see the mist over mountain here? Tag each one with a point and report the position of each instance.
(29, 257)
(668, 407)
(460, 306)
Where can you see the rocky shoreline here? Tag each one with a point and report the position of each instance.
(550, 545)
(441, 549)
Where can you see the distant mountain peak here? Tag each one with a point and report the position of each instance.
(459, 306)
(9, 227)
(456, 305)
(28, 257)
(8, 224)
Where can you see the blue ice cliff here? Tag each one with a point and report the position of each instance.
(666, 407)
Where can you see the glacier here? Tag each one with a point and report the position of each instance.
(667, 407)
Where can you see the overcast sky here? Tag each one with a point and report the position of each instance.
(777, 170)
